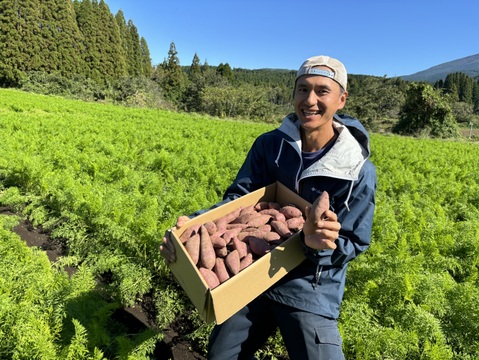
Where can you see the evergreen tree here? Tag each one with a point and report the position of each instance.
(173, 82)
(135, 64)
(475, 97)
(87, 23)
(112, 64)
(225, 71)
(61, 39)
(145, 58)
(20, 39)
(195, 67)
(124, 38)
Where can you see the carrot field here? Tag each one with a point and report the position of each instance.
(105, 182)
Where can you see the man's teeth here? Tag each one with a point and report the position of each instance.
(309, 113)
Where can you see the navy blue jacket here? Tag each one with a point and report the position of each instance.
(347, 174)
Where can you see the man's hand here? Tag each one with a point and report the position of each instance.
(320, 234)
(167, 249)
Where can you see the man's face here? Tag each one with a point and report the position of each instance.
(316, 100)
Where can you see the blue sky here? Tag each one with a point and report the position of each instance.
(376, 37)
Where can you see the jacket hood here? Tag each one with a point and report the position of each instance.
(349, 153)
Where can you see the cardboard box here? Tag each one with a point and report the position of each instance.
(226, 299)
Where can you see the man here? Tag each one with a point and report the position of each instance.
(314, 150)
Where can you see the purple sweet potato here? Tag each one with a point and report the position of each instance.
(190, 231)
(232, 262)
(281, 228)
(220, 270)
(230, 234)
(295, 224)
(258, 246)
(320, 205)
(210, 277)
(247, 209)
(247, 233)
(246, 261)
(274, 205)
(221, 252)
(240, 246)
(271, 236)
(259, 220)
(290, 211)
(207, 252)
(211, 227)
(261, 205)
(275, 214)
(192, 247)
(217, 241)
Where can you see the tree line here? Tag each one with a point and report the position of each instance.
(69, 38)
(80, 49)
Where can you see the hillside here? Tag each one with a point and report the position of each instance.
(468, 65)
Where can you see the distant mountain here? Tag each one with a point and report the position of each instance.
(468, 65)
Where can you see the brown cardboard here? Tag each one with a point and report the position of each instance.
(226, 299)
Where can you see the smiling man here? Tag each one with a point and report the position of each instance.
(314, 150)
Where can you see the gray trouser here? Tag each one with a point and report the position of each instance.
(306, 336)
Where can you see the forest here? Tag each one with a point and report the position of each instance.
(79, 49)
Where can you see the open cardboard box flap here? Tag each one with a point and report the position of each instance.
(225, 300)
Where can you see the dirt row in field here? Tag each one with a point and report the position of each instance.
(135, 318)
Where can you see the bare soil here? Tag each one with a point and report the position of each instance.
(136, 319)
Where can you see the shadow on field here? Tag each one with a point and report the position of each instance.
(133, 320)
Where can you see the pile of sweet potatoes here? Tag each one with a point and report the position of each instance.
(222, 248)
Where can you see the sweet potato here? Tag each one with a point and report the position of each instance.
(242, 235)
(246, 261)
(211, 227)
(210, 277)
(231, 216)
(271, 236)
(217, 241)
(281, 228)
(274, 205)
(248, 209)
(192, 247)
(230, 234)
(240, 246)
(265, 228)
(275, 214)
(221, 252)
(295, 224)
(261, 205)
(290, 211)
(221, 225)
(235, 226)
(190, 231)
(258, 246)
(259, 220)
(207, 252)
(232, 262)
(319, 206)
(220, 270)
(244, 218)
